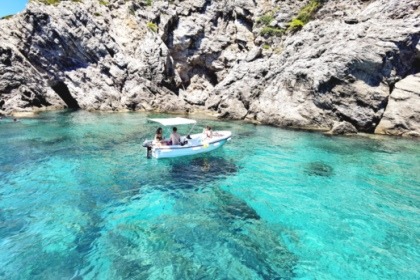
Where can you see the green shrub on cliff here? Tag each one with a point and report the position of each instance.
(268, 30)
(266, 19)
(295, 24)
(152, 26)
(52, 2)
(305, 15)
(266, 46)
(271, 31)
(6, 17)
(48, 2)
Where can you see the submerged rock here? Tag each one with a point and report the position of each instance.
(319, 168)
(234, 208)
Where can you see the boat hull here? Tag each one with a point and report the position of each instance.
(188, 150)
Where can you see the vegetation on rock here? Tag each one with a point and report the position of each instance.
(307, 12)
(53, 2)
(266, 19)
(268, 30)
(305, 15)
(296, 24)
(152, 26)
(6, 17)
(271, 31)
(47, 2)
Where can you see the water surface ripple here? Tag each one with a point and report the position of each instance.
(79, 200)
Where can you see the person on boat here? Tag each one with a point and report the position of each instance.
(159, 137)
(175, 137)
(208, 133)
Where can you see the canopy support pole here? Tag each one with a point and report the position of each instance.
(189, 132)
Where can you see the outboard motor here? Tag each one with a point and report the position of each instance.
(148, 145)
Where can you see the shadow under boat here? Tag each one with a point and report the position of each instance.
(190, 173)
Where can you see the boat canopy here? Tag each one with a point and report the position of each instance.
(173, 121)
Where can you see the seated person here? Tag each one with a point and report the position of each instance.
(175, 137)
(208, 133)
(159, 137)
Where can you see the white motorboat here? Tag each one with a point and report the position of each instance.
(192, 143)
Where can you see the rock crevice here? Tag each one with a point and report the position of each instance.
(63, 91)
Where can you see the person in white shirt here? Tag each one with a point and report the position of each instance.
(175, 137)
(208, 133)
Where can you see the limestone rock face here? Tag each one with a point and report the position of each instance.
(21, 85)
(402, 115)
(342, 128)
(348, 64)
(83, 55)
(327, 73)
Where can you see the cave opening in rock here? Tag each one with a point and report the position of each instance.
(63, 91)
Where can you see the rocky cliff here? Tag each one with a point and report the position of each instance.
(308, 64)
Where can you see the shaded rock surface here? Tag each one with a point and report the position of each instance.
(342, 128)
(343, 66)
(402, 115)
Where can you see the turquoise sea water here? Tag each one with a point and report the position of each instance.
(79, 200)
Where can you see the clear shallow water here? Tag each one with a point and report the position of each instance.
(79, 200)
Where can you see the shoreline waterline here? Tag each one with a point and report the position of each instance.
(207, 114)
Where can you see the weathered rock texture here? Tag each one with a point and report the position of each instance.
(342, 128)
(402, 116)
(344, 65)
